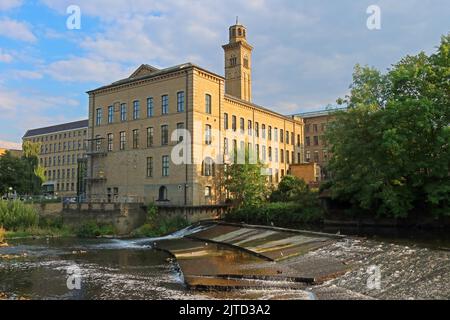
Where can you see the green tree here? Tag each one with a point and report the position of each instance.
(290, 188)
(390, 148)
(12, 174)
(34, 171)
(246, 181)
(24, 174)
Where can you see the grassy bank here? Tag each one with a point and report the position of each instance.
(157, 225)
(21, 220)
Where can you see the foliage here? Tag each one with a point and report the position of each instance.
(15, 215)
(246, 182)
(22, 220)
(51, 222)
(292, 203)
(282, 214)
(92, 229)
(24, 174)
(31, 149)
(391, 148)
(157, 225)
(12, 174)
(290, 188)
(38, 231)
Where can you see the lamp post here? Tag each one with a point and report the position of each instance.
(10, 190)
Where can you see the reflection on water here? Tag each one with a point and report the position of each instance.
(110, 269)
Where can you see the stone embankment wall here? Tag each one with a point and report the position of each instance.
(125, 217)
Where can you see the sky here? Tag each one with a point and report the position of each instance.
(304, 50)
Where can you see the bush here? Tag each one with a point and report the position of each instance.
(157, 225)
(15, 215)
(283, 214)
(292, 188)
(93, 229)
(51, 222)
(292, 203)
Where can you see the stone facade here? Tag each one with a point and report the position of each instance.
(310, 172)
(133, 142)
(316, 148)
(61, 149)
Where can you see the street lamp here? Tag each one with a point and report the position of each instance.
(10, 190)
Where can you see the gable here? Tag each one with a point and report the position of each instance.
(143, 70)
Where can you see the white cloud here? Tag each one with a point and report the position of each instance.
(26, 74)
(78, 69)
(307, 48)
(9, 4)
(17, 104)
(10, 145)
(165, 33)
(5, 57)
(16, 30)
(21, 110)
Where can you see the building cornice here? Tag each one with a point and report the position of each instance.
(232, 45)
(157, 76)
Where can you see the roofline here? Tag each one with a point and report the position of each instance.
(318, 113)
(251, 104)
(56, 125)
(177, 68)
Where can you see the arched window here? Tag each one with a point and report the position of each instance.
(233, 32)
(208, 167)
(244, 32)
(162, 194)
(239, 32)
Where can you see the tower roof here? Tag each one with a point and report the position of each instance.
(238, 32)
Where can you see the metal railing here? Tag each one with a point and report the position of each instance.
(105, 198)
(96, 146)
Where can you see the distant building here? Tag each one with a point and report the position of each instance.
(13, 152)
(316, 148)
(61, 155)
(309, 172)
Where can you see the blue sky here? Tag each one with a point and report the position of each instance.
(303, 58)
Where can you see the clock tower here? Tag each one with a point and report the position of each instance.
(238, 64)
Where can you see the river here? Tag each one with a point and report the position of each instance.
(131, 269)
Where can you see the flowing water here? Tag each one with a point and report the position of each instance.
(107, 269)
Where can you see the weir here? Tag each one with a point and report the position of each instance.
(224, 256)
